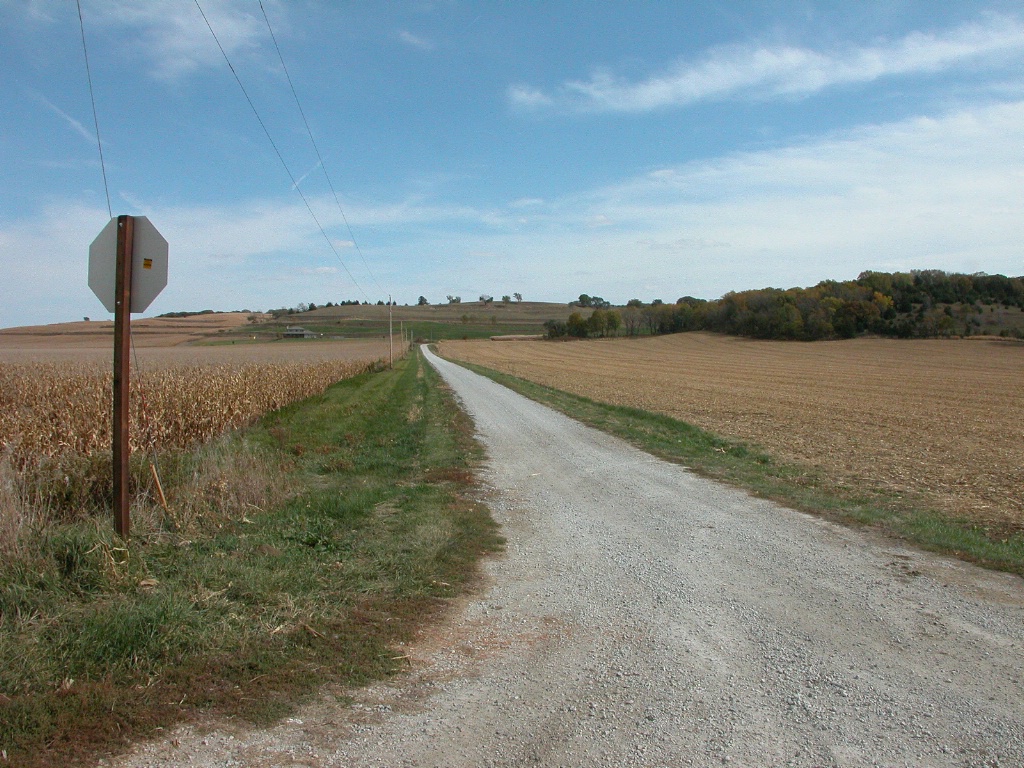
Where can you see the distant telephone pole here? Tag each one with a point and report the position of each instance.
(391, 335)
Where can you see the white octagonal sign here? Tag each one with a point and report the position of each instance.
(149, 264)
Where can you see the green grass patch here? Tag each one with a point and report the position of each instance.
(802, 488)
(243, 615)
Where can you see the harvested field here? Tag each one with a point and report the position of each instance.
(942, 420)
(148, 332)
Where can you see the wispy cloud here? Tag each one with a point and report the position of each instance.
(529, 97)
(764, 72)
(930, 192)
(527, 202)
(172, 35)
(302, 178)
(80, 129)
(415, 41)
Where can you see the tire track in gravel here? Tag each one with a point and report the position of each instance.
(643, 616)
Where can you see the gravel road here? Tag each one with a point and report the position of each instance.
(643, 616)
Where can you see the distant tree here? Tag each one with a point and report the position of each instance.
(583, 301)
(506, 299)
(614, 321)
(454, 299)
(422, 301)
(632, 319)
(577, 326)
(380, 302)
(635, 303)
(556, 329)
(651, 318)
(310, 307)
(518, 297)
(302, 307)
(486, 299)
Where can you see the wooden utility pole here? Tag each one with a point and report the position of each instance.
(391, 335)
(122, 359)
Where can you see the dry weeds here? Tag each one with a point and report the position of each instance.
(55, 408)
(942, 419)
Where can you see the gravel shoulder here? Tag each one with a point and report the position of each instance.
(643, 616)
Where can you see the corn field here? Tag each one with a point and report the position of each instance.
(52, 410)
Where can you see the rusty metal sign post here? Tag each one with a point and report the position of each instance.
(127, 270)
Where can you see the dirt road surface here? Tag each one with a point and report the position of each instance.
(646, 617)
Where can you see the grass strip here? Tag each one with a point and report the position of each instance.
(244, 616)
(803, 488)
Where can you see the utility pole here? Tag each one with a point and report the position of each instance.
(391, 334)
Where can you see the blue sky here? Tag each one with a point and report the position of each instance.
(627, 150)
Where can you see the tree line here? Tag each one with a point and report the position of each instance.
(916, 304)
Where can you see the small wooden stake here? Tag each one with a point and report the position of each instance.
(159, 487)
(122, 358)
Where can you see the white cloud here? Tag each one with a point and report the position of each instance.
(527, 202)
(943, 192)
(415, 40)
(529, 97)
(760, 72)
(173, 36)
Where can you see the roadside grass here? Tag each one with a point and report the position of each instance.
(807, 489)
(372, 530)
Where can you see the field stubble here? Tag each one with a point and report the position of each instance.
(940, 420)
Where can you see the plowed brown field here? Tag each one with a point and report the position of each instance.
(942, 419)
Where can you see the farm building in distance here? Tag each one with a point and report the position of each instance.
(298, 332)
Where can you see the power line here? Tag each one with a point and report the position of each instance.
(95, 118)
(155, 461)
(279, 155)
(312, 141)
